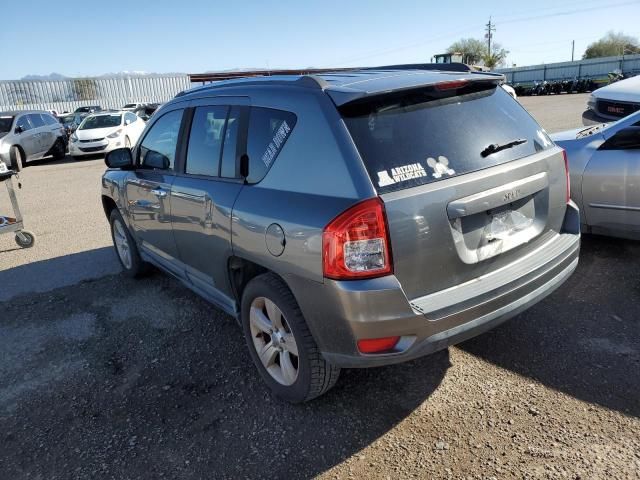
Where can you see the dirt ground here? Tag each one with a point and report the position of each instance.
(106, 377)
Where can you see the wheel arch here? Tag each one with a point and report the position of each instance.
(108, 205)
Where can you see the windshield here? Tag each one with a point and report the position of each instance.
(5, 124)
(67, 120)
(101, 121)
(129, 105)
(411, 138)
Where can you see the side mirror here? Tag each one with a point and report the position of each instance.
(127, 122)
(626, 139)
(155, 159)
(119, 158)
(19, 129)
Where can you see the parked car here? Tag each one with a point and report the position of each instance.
(614, 101)
(347, 220)
(103, 132)
(145, 111)
(510, 90)
(30, 135)
(88, 109)
(604, 161)
(132, 106)
(70, 122)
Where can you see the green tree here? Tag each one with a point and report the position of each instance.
(471, 49)
(612, 44)
(496, 58)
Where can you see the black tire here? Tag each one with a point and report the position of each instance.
(18, 159)
(59, 150)
(315, 375)
(25, 239)
(136, 267)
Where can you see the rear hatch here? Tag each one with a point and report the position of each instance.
(470, 181)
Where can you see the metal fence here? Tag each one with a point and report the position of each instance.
(108, 92)
(594, 68)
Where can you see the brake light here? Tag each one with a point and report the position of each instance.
(566, 171)
(451, 84)
(377, 345)
(355, 244)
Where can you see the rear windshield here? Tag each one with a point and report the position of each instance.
(411, 138)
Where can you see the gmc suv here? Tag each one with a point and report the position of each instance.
(353, 219)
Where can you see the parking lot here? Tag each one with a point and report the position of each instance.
(106, 377)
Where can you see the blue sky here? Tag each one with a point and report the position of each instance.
(92, 38)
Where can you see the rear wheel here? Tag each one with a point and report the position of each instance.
(280, 343)
(126, 247)
(18, 160)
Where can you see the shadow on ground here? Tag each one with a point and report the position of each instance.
(583, 340)
(46, 275)
(143, 379)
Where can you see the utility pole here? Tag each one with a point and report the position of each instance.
(573, 47)
(490, 29)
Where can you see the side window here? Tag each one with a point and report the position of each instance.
(36, 120)
(158, 149)
(229, 168)
(268, 132)
(23, 122)
(205, 140)
(48, 119)
(130, 116)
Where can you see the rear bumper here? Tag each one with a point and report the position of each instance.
(340, 313)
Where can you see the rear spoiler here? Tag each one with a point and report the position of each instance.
(406, 81)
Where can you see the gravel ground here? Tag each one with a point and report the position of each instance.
(114, 378)
(106, 377)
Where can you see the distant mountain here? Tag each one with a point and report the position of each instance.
(122, 74)
(51, 76)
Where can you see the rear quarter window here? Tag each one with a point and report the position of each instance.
(269, 130)
(417, 137)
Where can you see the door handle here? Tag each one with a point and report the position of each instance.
(160, 193)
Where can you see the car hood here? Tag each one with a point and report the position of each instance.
(95, 133)
(627, 90)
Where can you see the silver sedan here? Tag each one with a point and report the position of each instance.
(604, 165)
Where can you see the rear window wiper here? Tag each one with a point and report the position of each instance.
(495, 147)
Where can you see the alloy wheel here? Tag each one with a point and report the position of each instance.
(273, 340)
(122, 244)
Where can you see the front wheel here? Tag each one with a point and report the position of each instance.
(280, 343)
(18, 161)
(59, 150)
(126, 247)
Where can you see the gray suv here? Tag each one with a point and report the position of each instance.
(353, 219)
(30, 135)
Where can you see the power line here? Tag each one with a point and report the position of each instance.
(377, 53)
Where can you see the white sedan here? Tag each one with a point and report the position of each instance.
(100, 133)
(614, 101)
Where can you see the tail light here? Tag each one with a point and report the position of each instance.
(451, 84)
(356, 245)
(566, 170)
